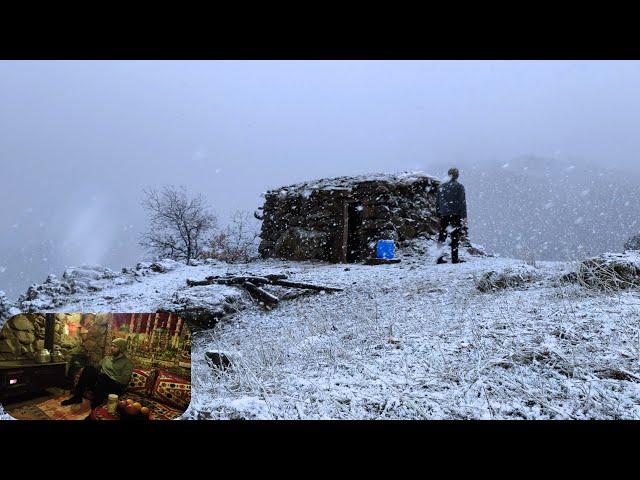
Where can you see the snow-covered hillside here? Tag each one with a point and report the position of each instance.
(413, 340)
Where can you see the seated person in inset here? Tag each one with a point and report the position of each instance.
(112, 377)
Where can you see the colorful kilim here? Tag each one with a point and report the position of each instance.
(172, 390)
(142, 381)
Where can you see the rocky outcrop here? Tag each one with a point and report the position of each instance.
(204, 306)
(633, 243)
(55, 292)
(218, 360)
(512, 277)
(615, 271)
(7, 308)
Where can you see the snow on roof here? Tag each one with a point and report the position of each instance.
(347, 183)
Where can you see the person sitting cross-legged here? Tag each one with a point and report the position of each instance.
(112, 377)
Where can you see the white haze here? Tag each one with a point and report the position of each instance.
(80, 139)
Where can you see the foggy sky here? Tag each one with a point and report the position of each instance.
(80, 139)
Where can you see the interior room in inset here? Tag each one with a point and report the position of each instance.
(43, 357)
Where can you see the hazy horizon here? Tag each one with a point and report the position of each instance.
(81, 139)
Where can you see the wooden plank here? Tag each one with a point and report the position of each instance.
(285, 283)
(262, 295)
(345, 233)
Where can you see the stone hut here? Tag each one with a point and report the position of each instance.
(340, 219)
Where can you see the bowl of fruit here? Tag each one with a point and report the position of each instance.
(130, 410)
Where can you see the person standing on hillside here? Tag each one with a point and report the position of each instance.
(451, 207)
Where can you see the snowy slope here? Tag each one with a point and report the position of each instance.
(412, 340)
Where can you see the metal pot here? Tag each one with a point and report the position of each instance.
(56, 355)
(42, 356)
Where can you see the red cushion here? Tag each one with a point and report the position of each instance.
(142, 381)
(172, 390)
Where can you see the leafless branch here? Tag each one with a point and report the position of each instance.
(178, 223)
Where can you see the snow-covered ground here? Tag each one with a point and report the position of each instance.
(413, 340)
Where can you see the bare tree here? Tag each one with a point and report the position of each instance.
(179, 223)
(237, 242)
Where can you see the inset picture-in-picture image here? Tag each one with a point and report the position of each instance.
(95, 366)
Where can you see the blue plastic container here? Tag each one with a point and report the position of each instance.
(385, 248)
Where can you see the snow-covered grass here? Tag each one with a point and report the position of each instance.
(413, 340)
(418, 340)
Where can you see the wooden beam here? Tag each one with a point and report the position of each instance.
(285, 283)
(262, 295)
(345, 233)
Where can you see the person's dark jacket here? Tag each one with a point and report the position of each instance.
(451, 199)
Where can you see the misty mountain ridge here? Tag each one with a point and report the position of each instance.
(550, 209)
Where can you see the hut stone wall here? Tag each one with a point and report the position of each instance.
(311, 221)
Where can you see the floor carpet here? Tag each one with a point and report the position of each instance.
(49, 408)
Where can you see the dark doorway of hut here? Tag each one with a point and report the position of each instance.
(355, 216)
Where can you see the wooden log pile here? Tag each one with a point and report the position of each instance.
(254, 285)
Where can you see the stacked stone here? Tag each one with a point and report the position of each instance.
(21, 336)
(93, 337)
(305, 221)
(299, 227)
(397, 211)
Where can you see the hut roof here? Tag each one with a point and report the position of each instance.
(347, 183)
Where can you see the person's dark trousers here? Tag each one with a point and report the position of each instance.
(450, 225)
(103, 387)
(99, 383)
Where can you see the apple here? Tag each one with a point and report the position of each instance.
(144, 411)
(131, 410)
(137, 406)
